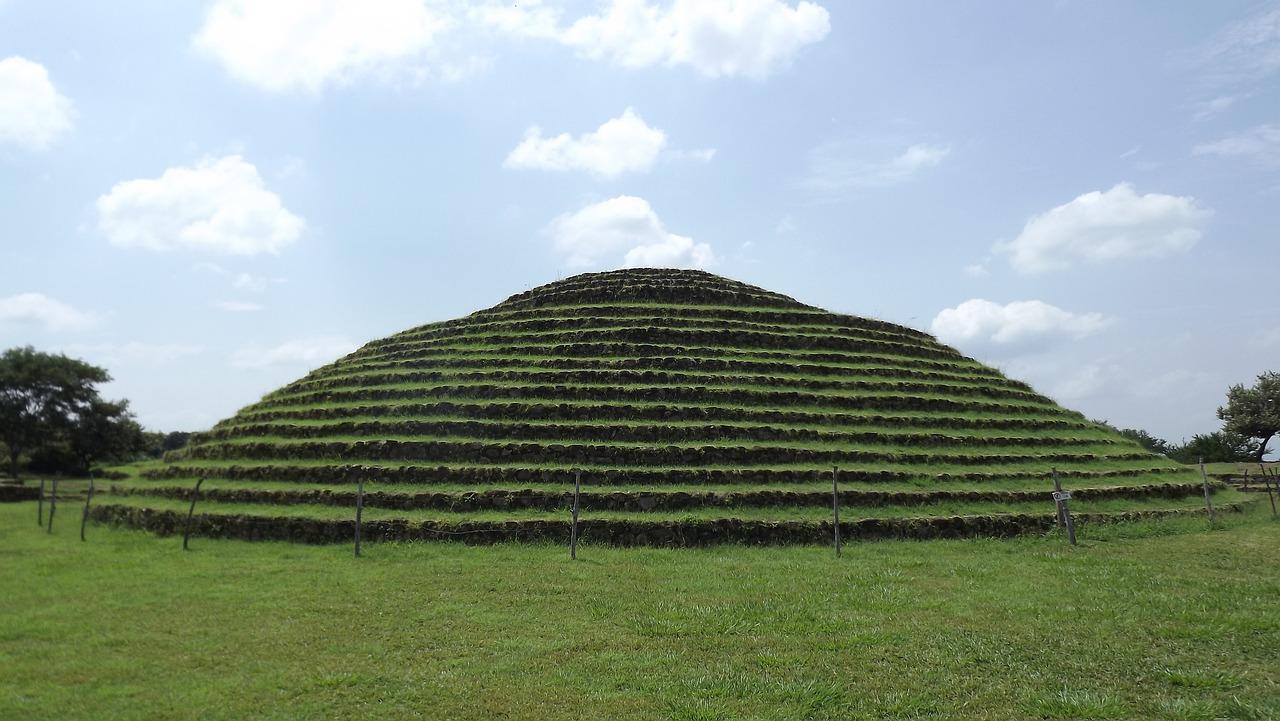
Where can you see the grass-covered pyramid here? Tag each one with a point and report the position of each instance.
(697, 409)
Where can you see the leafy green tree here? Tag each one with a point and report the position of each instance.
(1254, 411)
(1216, 447)
(104, 431)
(1142, 438)
(40, 393)
(1146, 440)
(173, 440)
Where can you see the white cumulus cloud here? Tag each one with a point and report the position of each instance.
(40, 309)
(1107, 225)
(219, 204)
(626, 226)
(752, 38)
(33, 114)
(285, 45)
(839, 166)
(624, 144)
(1020, 325)
(309, 352)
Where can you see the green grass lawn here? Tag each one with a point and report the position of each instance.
(1167, 620)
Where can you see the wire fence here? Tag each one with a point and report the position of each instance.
(52, 492)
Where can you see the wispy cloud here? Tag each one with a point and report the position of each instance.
(1209, 108)
(842, 165)
(39, 309)
(306, 352)
(236, 306)
(134, 352)
(1247, 50)
(1259, 144)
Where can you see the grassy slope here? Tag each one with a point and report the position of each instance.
(848, 512)
(1149, 621)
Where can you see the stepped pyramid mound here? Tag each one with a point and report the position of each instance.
(696, 408)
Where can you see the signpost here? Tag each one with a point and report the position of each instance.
(1208, 504)
(88, 498)
(1060, 498)
(1267, 480)
(186, 533)
(573, 528)
(53, 502)
(835, 505)
(359, 511)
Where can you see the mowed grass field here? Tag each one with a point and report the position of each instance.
(1161, 620)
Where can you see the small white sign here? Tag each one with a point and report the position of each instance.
(1062, 495)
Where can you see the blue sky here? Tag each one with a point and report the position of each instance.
(210, 198)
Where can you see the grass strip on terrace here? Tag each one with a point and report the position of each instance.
(750, 339)
(777, 513)
(536, 325)
(595, 431)
(659, 351)
(666, 363)
(850, 383)
(932, 470)
(1080, 433)
(617, 391)
(773, 316)
(815, 415)
(1028, 484)
(630, 349)
(1100, 450)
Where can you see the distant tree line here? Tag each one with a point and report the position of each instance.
(1250, 419)
(54, 420)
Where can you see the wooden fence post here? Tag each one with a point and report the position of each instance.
(1267, 481)
(40, 506)
(53, 502)
(88, 498)
(186, 532)
(1208, 504)
(359, 511)
(835, 506)
(573, 527)
(1064, 511)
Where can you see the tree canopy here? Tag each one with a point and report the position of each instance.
(1254, 411)
(49, 400)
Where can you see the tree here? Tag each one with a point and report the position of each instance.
(1216, 447)
(40, 393)
(1142, 438)
(173, 440)
(1254, 412)
(104, 431)
(1146, 440)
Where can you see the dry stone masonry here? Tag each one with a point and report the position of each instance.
(698, 410)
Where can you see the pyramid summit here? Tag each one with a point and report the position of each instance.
(695, 409)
